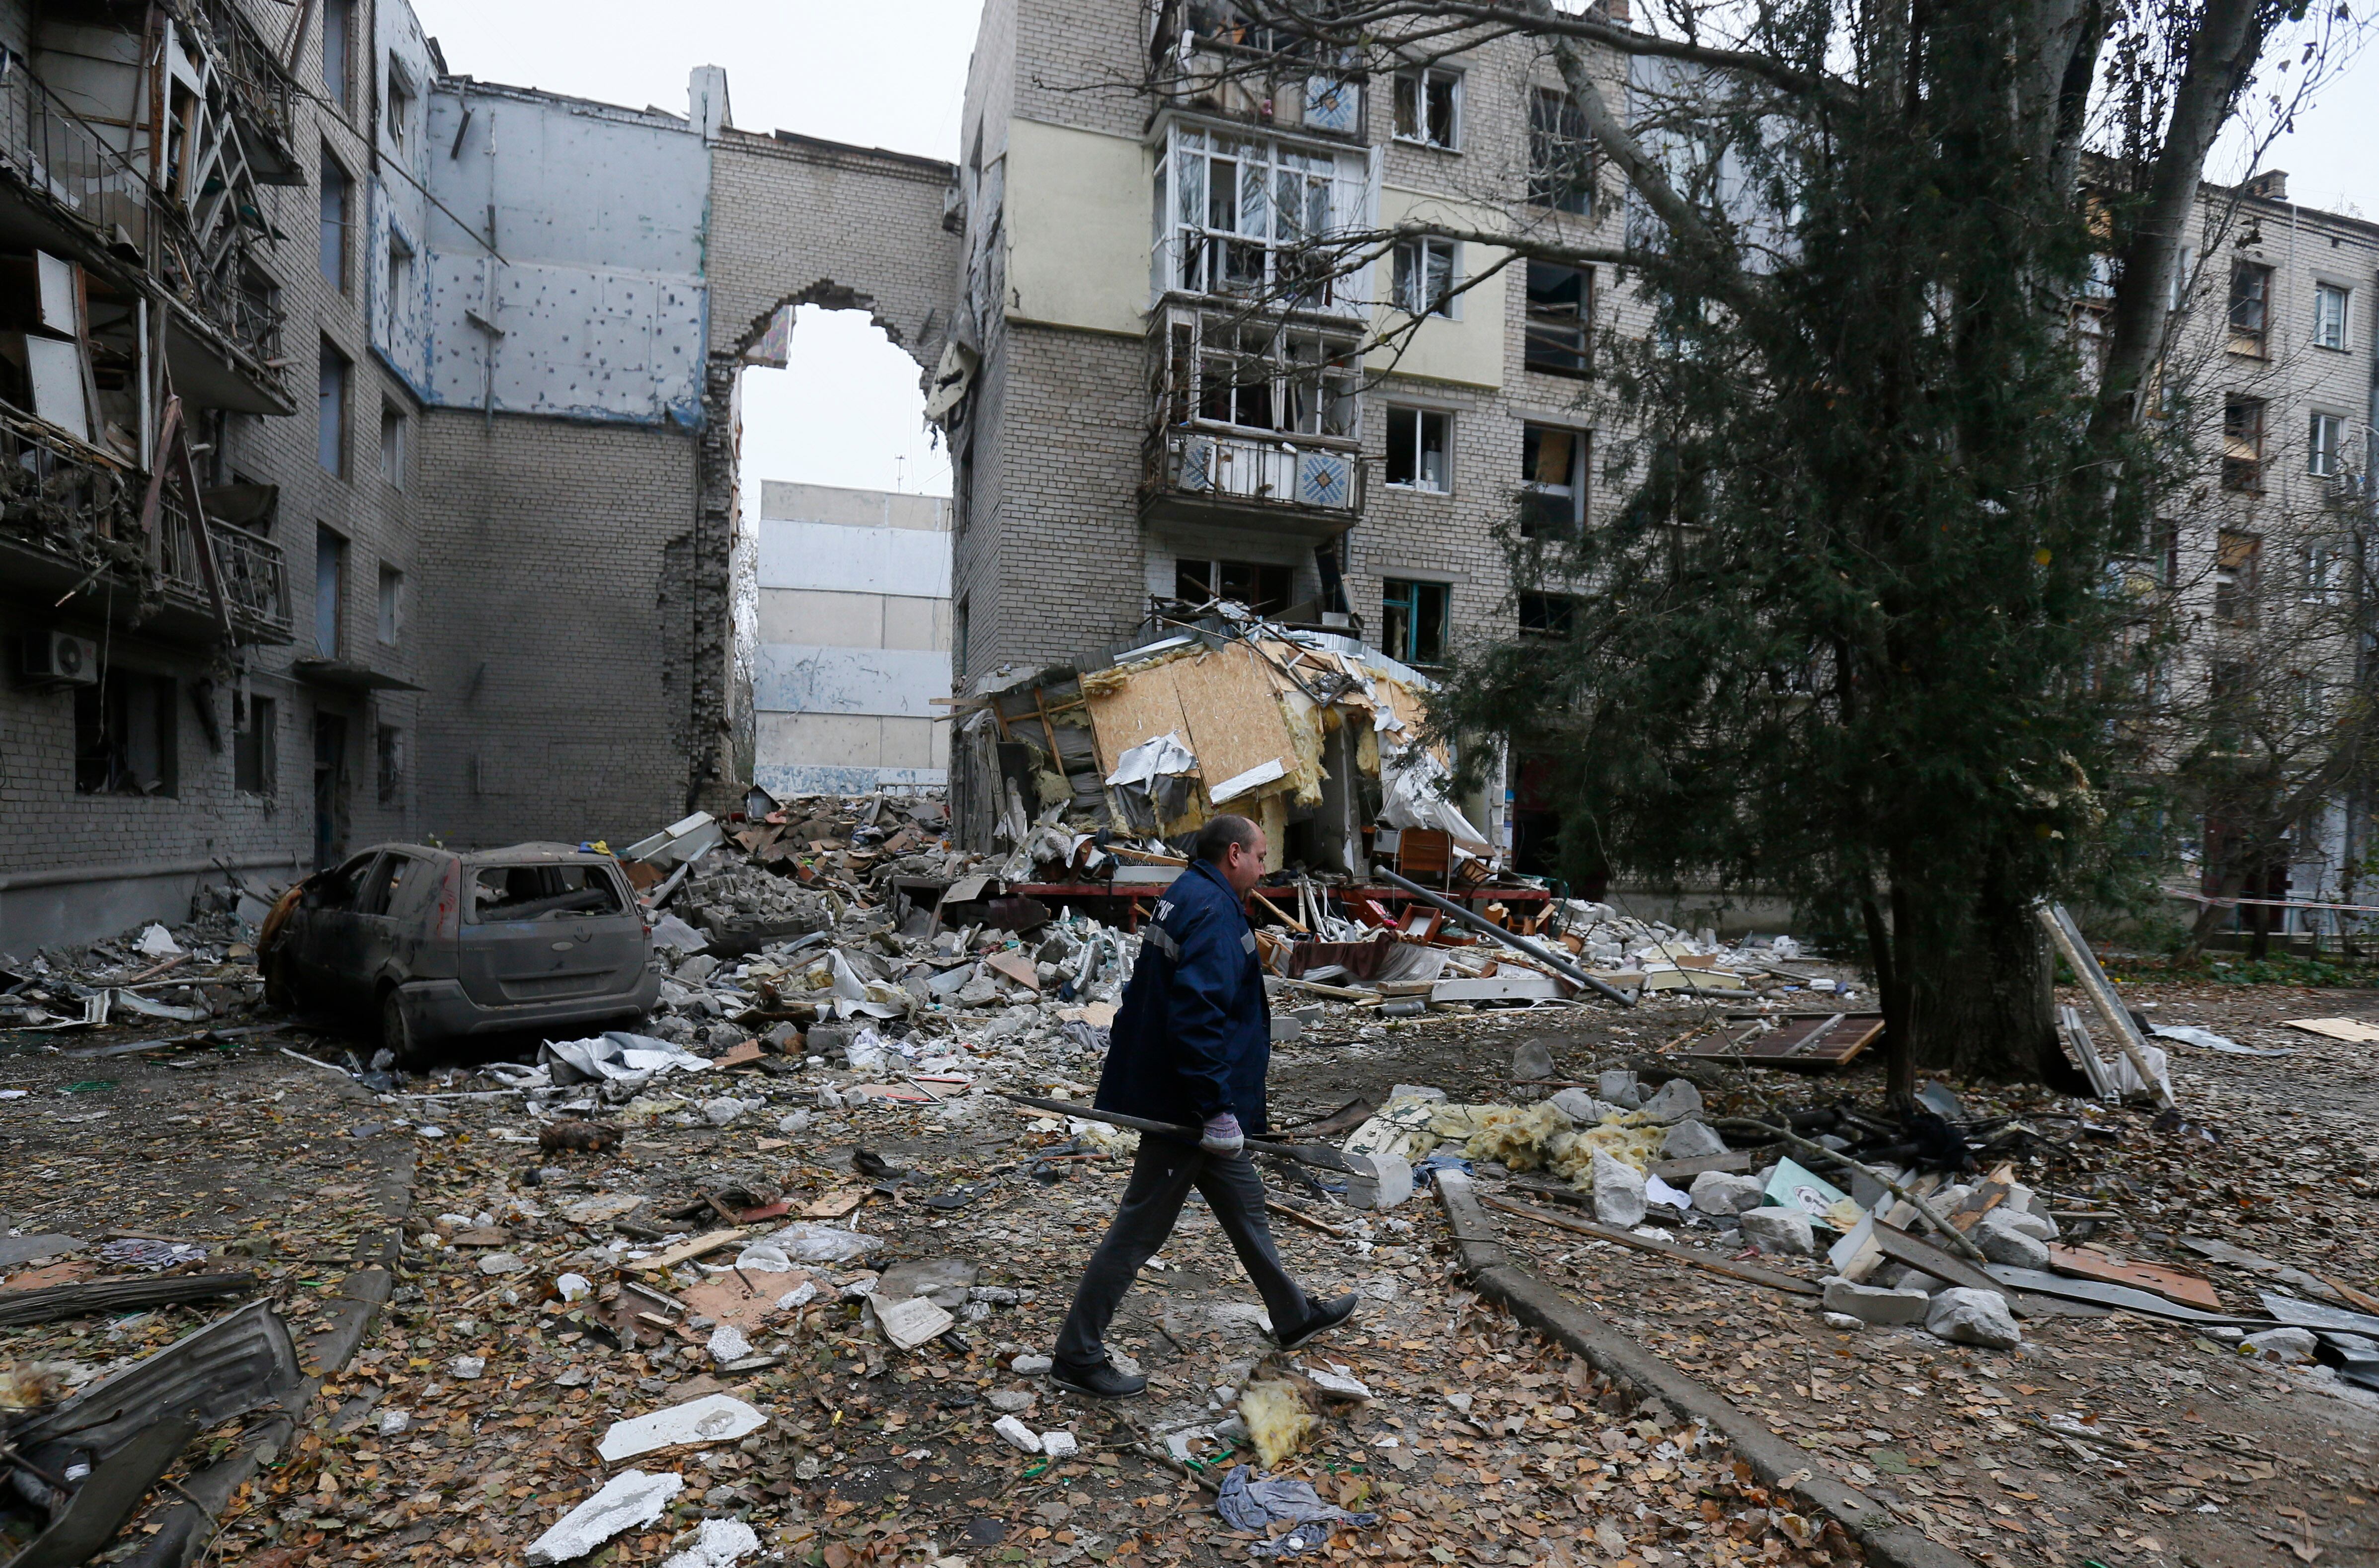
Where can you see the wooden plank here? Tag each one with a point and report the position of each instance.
(1234, 714)
(1143, 707)
(1686, 1255)
(1901, 1248)
(2177, 1284)
(686, 1251)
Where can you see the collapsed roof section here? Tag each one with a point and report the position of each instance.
(1312, 734)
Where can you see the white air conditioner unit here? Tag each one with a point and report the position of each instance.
(58, 658)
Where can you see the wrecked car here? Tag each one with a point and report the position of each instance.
(433, 945)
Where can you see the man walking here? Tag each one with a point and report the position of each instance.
(1191, 1046)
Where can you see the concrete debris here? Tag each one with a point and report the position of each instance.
(717, 1418)
(1784, 1232)
(1973, 1317)
(2002, 1242)
(719, 1543)
(628, 1501)
(1716, 1193)
(1619, 1197)
(1017, 1435)
(2287, 1345)
(1691, 1141)
(1871, 1303)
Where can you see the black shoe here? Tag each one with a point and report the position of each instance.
(1328, 1316)
(1105, 1381)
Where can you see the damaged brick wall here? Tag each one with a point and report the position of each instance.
(793, 222)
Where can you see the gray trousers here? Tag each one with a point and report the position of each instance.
(1161, 1181)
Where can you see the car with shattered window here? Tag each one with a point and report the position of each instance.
(431, 944)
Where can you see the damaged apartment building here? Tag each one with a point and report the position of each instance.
(1145, 416)
(367, 440)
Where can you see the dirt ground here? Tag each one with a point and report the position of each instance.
(2116, 1440)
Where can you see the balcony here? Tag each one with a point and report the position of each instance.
(70, 540)
(262, 93)
(1209, 60)
(1310, 488)
(86, 198)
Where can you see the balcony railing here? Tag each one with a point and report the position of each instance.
(83, 514)
(1289, 472)
(263, 89)
(255, 579)
(57, 153)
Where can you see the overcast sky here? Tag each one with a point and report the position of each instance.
(889, 73)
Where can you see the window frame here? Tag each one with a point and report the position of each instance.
(1420, 417)
(1540, 327)
(388, 606)
(255, 748)
(1214, 586)
(332, 552)
(2323, 292)
(388, 759)
(1418, 259)
(2325, 460)
(104, 724)
(394, 454)
(2238, 575)
(334, 251)
(2244, 446)
(1553, 617)
(1420, 79)
(1533, 490)
(334, 379)
(1557, 130)
(1408, 608)
(339, 83)
(1316, 399)
(2250, 303)
(1199, 255)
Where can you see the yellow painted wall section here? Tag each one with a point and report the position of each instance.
(1468, 351)
(1077, 226)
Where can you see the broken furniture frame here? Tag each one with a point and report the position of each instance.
(2067, 938)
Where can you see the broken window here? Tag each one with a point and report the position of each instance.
(2318, 570)
(1428, 107)
(1552, 481)
(391, 742)
(1264, 379)
(2326, 446)
(391, 445)
(540, 892)
(1559, 299)
(126, 738)
(338, 50)
(1416, 450)
(1245, 26)
(255, 748)
(2328, 316)
(398, 117)
(392, 604)
(1412, 620)
(2242, 443)
(1561, 155)
(1426, 274)
(2250, 299)
(1261, 586)
(330, 580)
(378, 893)
(1547, 615)
(2237, 567)
(399, 284)
(331, 410)
(337, 203)
(1239, 205)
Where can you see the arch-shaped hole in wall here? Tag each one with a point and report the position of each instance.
(846, 410)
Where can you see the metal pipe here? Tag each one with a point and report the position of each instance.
(1562, 967)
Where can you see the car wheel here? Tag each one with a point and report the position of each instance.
(396, 1032)
(278, 993)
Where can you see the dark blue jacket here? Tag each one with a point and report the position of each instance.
(1193, 1037)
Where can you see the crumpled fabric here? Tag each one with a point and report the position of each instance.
(1258, 1506)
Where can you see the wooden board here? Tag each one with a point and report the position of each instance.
(1229, 700)
(686, 1251)
(2354, 1031)
(1145, 707)
(1809, 1044)
(2174, 1285)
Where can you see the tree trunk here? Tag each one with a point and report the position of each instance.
(1982, 999)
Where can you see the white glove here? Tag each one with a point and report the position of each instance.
(1223, 1135)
